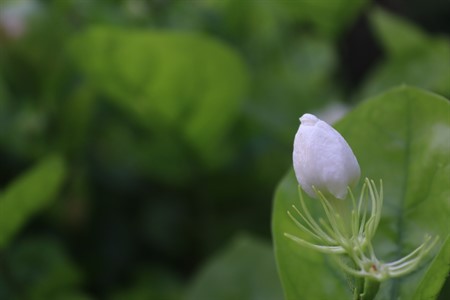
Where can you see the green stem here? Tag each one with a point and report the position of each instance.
(370, 290)
(359, 286)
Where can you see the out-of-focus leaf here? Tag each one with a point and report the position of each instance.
(29, 194)
(73, 295)
(397, 35)
(159, 155)
(156, 284)
(176, 83)
(39, 268)
(300, 80)
(412, 58)
(304, 273)
(435, 276)
(4, 107)
(429, 69)
(23, 129)
(255, 23)
(245, 270)
(401, 137)
(4, 94)
(329, 18)
(76, 116)
(265, 21)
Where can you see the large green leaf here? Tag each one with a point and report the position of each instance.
(245, 271)
(28, 194)
(413, 58)
(304, 273)
(402, 137)
(432, 281)
(178, 84)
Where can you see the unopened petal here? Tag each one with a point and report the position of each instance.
(323, 159)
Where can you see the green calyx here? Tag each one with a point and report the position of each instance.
(348, 233)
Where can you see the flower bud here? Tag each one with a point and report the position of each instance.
(322, 159)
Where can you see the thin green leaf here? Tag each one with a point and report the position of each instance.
(28, 194)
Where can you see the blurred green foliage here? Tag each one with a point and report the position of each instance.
(150, 75)
(412, 57)
(247, 267)
(38, 268)
(28, 194)
(169, 124)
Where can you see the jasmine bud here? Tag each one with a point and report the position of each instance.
(323, 160)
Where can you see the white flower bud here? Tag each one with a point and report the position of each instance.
(323, 159)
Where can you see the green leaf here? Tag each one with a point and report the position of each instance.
(76, 117)
(39, 268)
(412, 58)
(151, 284)
(303, 272)
(397, 36)
(435, 276)
(23, 129)
(402, 138)
(120, 147)
(329, 18)
(302, 76)
(176, 83)
(28, 194)
(261, 22)
(245, 270)
(253, 22)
